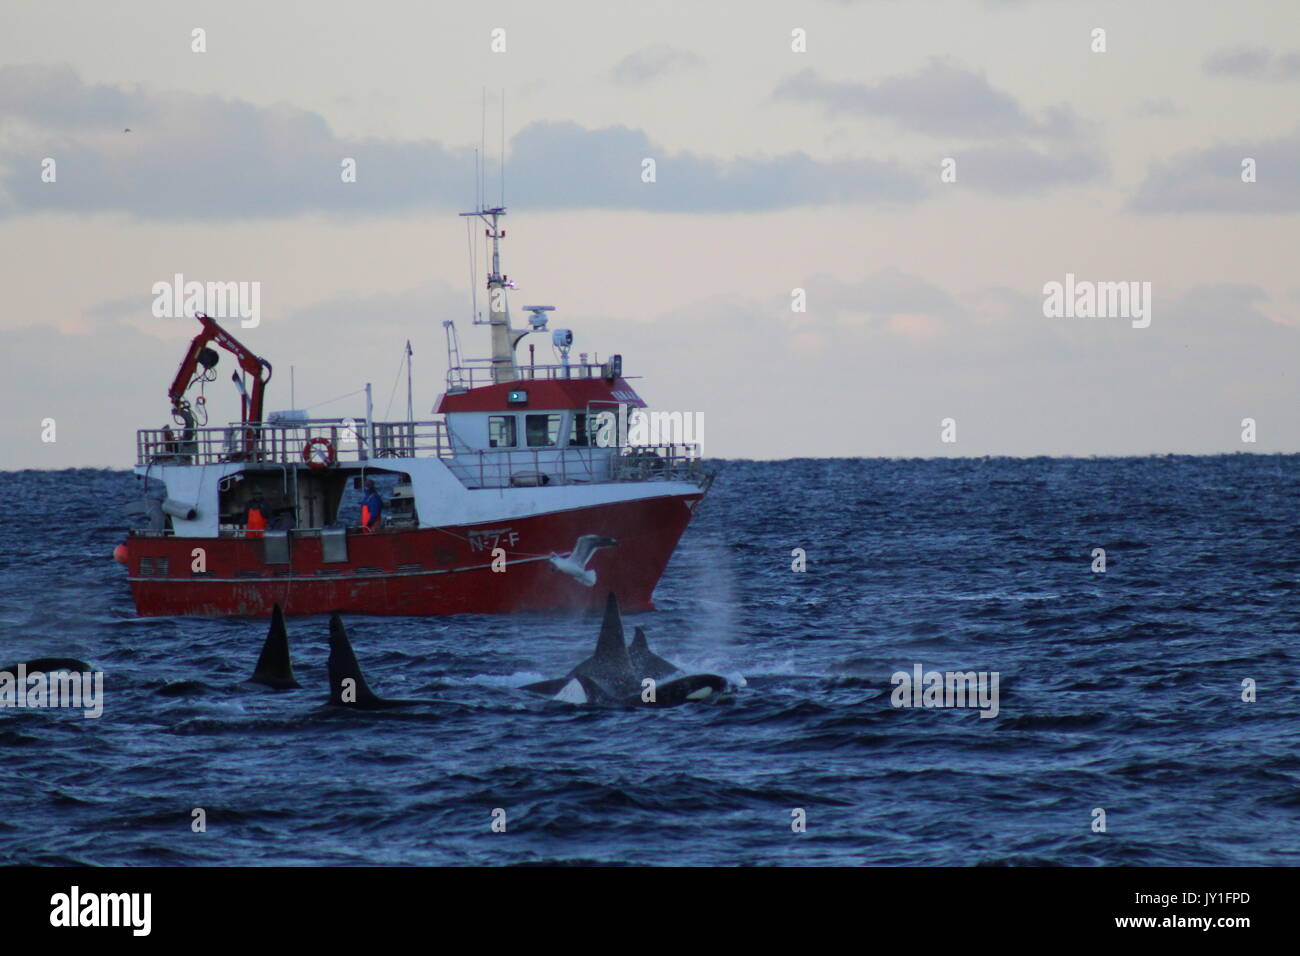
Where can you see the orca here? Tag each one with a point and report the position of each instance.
(343, 667)
(583, 690)
(548, 688)
(578, 690)
(610, 667)
(645, 662)
(608, 671)
(690, 687)
(614, 675)
(274, 667)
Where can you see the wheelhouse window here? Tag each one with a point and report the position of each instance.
(501, 431)
(578, 435)
(543, 431)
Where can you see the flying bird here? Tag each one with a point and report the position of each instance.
(574, 564)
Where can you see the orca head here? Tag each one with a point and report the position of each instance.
(274, 666)
(693, 687)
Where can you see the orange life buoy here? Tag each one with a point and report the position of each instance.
(317, 463)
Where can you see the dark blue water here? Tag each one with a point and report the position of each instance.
(1119, 691)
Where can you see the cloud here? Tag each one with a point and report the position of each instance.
(1035, 153)
(1209, 180)
(879, 298)
(1255, 63)
(1018, 170)
(652, 62)
(191, 155)
(54, 97)
(197, 156)
(603, 169)
(941, 99)
(1156, 108)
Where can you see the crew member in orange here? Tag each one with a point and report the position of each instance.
(256, 523)
(372, 508)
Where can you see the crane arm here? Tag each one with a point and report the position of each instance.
(250, 363)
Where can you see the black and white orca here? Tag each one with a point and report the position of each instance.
(621, 676)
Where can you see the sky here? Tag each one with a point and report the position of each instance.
(920, 169)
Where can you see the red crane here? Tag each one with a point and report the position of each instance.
(200, 354)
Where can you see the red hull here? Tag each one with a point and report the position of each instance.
(425, 571)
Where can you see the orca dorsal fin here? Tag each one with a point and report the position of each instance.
(343, 666)
(609, 646)
(645, 662)
(639, 642)
(274, 666)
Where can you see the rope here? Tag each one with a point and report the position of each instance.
(335, 399)
(461, 537)
(396, 378)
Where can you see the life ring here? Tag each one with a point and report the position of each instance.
(316, 463)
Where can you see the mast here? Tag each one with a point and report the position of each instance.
(504, 338)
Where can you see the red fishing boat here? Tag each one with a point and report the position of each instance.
(522, 493)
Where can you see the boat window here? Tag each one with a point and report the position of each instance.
(501, 431)
(543, 430)
(578, 430)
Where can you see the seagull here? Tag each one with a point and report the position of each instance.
(574, 564)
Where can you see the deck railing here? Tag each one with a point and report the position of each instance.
(463, 377)
(570, 466)
(678, 462)
(290, 442)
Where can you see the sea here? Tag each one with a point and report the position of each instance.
(1140, 616)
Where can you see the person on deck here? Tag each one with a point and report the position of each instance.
(372, 507)
(255, 523)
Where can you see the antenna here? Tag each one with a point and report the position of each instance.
(503, 147)
(483, 144)
(454, 379)
(410, 404)
(473, 272)
(504, 337)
